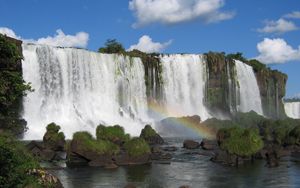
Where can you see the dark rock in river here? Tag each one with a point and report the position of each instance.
(209, 144)
(151, 136)
(124, 159)
(190, 144)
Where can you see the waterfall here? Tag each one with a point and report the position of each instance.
(248, 89)
(184, 78)
(79, 89)
(292, 109)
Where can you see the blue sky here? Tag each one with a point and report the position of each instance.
(226, 25)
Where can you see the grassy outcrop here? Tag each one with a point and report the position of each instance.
(241, 142)
(137, 147)
(86, 142)
(53, 139)
(114, 134)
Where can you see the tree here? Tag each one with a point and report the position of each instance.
(112, 46)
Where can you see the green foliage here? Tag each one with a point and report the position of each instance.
(112, 133)
(137, 147)
(294, 136)
(257, 65)
(241, 142)
(148, 132)
(53, 138)
(15, 163)
(249, 119)
(8, 50)
(112, 46)
(12, 87)
(88, 143)
(237, 56)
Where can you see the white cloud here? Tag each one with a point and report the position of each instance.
(146, 44)
(80, 39)
(295, 15)
(8, 32)
(176, 11)
(279, 26)
(276, 51)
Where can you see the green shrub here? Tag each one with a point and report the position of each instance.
(242, 142)
(112, 133)
(112, 46)
(148, 132)
(88, 143)
(8, 50)
(137, 147)
(15, 163)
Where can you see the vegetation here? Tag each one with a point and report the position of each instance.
(257, 65)
(88, 143)
(241, 142)
(112, 46)
(9, 50)
(148, 132)
(295, 99)
(15, 164)
(53, 138)
(112, 133)
(137, 147)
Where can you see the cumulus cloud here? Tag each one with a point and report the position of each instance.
(295, 15)
(276, 51)
(280, 26)
(146, 44)
(8, 32)
(176, 11)
(80, 39)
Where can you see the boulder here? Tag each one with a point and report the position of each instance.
(272, 159)
(151, 136)
(226, 158)
(130, 185)
(53, 139)
(209, 144)
(191, 144)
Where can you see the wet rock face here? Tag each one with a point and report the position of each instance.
(151, 136)
(190, 144)
(272, 89)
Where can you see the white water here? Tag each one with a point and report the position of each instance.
(292, 109)
(184, 78)
(248, 89)
(78, 89)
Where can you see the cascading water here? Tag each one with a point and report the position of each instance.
(248, 89)
(292, 109)
(79, 89)
(184, 85)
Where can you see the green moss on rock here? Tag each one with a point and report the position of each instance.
(114, 134)
(137, 147)
(86, 142)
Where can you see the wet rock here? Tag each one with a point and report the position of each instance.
(272, 159)
(184, 186)
(190, 144)
(209, 144)
(151, 136)
(170, 148)
(111, 166)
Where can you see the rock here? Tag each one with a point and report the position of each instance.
(101, 161)
(53, 139)
(170, 148)
(209, 144)
(225, 158)
(75, 160)
(124, 159)
(151, 136)
(184, 186)
(190, 144)
(45, 178)
(272, 159)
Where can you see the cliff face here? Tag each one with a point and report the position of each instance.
(272, 88)
(222, 93)
(11, 85)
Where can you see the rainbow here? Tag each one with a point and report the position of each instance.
(163, 112)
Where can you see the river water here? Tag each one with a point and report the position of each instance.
(194, 170)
